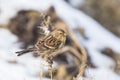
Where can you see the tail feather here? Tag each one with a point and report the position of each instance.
(19, 53)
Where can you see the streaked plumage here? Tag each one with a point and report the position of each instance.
(49, 44)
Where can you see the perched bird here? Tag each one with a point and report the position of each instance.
(49, 44)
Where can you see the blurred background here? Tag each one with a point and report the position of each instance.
(94, 24)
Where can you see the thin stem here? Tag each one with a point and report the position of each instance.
(83, 52)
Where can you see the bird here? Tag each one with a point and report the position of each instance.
(49, 44)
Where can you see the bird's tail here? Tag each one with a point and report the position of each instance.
(19, 53)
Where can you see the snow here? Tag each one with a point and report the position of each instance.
(76, 3)
(28, 67)
(102, 73)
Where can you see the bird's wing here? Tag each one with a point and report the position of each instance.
(51, 42)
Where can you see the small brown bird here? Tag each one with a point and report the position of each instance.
(49, 44)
